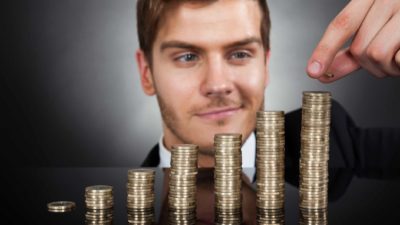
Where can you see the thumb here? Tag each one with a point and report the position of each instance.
(342, 65)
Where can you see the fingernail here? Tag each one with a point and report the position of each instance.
(314, 68)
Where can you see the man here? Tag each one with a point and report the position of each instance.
(207, 63)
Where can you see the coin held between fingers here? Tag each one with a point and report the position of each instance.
(329, 75)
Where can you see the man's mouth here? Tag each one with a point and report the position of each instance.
(218, 113)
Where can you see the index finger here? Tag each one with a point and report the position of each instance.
(343, 27)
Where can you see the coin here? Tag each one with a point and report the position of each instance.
(140, 196)
(182, 184)
(99, 201)
(270, 160)
(314, 153)
(228, 178)
(61, 206)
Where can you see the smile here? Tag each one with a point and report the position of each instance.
(218, 113)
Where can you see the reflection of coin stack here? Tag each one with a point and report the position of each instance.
(270, 167)
(99, 203)
(182, 184)
(314, 156)
(140, 196)
(227, 178)
(313, 216)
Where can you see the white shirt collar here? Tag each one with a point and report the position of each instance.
(248, 153)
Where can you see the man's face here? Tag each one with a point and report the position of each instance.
(209, 71)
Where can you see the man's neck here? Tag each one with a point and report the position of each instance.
(205, 161)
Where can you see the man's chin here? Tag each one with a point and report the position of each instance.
(223, 126)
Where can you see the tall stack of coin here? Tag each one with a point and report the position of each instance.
(140, 196)
(314, 155)
(182, 184)
(270, 162)
(99, 203)
(227, 178)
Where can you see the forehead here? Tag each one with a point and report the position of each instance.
(218, 22)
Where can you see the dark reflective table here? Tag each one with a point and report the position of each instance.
(355, 196)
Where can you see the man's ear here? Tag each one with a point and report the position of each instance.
(146, 78)
(267, 57)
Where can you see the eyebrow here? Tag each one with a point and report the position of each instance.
(178, 44)
(243, 42)
(185, 45)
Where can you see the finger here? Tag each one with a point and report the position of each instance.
(384, 47)
(338, 32)
(377, 17)
(342, 65)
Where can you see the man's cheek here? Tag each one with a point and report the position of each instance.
(251, 82)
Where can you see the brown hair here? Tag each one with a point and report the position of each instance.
(149, 13)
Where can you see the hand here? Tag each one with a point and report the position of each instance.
(375, 25)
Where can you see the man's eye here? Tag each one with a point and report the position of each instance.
(240, 55)
(189, 57)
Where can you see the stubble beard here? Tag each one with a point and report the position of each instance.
(171, 120)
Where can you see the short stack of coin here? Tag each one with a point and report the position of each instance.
(314, 154)
(140, 196)
(227, 178)
(182, 184)
(61, 206)
(99, 203)
(270, 162)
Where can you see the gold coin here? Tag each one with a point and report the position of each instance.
(99, 189)
(329, 75)
(61, 206)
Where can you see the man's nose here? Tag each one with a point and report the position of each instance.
(217, 80)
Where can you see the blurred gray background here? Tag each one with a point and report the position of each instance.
(70, 91)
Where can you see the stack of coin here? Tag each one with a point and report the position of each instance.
(182, 184)
(270, 162)
(227, 178)
(140, 196)
(61, 206)
(314, 154)
(99, 203)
